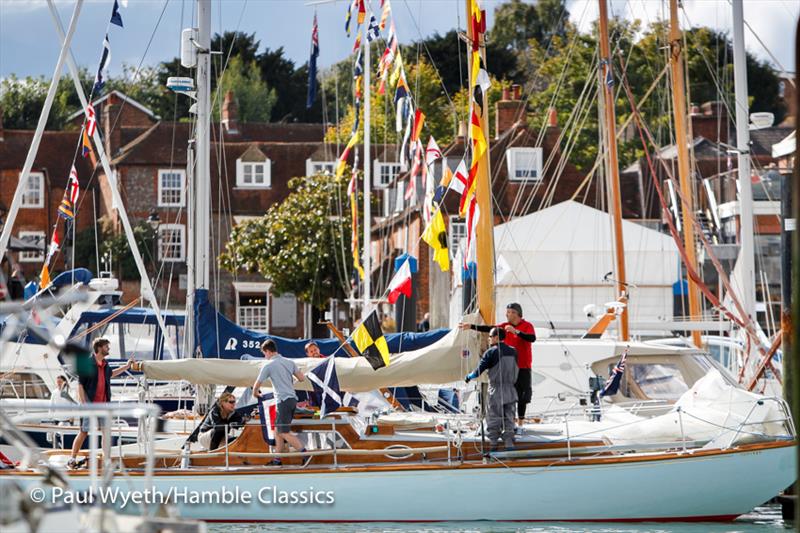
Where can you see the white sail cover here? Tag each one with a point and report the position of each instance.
(441, 362)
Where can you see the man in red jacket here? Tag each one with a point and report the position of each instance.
(520, 334)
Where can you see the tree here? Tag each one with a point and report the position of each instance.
(254, 99)
(301, 244)
(517, 22)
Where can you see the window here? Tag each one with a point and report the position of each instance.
(253, 311)
(253, 174)
(33, 195)
(171, 242)
(458, 231)
(524, 164)
(385, 173)
(23, 385)
(36, 238)
(658, 381)
(319, 167)
(171, 188)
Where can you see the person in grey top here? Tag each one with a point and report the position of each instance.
(280, 371)
(500, 360)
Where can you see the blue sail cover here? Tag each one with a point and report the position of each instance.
(219, 337)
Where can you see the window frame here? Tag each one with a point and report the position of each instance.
(241, 167)
(310, 163)
(40, 203)
(377, 178)
(26, 257)
(511, 163)
(160, 247)
(162, 172)
(453, 222)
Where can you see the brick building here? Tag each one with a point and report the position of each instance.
(43, 193)
(525, 177)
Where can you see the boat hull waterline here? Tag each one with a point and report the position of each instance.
(701, 486)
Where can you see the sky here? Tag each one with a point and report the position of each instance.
(29, 44)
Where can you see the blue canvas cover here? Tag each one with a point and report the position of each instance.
(219, 337)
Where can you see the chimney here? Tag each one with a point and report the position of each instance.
(509, 110)
(552, 118)
(230, 114)
(110, 116)
(714, 109)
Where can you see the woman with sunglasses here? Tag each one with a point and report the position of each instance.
(222, 414)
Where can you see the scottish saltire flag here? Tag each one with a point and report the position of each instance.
(69, 202)
(373, 32)
(91, 120)
(116, 18)
(99, 80)
(325, 382)
(312, 64)
(615, 378)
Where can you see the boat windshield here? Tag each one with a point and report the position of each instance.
(659, 381)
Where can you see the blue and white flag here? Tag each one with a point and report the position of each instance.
(615, 378)
(312, 65)
(373, 31)
(116, 18)
(99, 79)
(326, 383)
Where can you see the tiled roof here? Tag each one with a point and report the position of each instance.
(55, 154)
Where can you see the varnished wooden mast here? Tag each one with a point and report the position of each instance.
(613, 164)
(682, 144)
(485, 230)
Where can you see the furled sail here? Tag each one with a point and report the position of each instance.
(446, 360)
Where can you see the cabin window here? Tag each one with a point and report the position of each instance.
(658, 381)
(524, 164)
(171, 188)
(319, 167)
(253, 311)
(253, 173)
(23, 385)
(172, 242)
(36, 238)
(385, 173)
(33, 195)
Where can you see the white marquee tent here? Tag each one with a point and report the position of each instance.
(553, 262)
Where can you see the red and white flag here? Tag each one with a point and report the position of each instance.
(91, 120)
(459, 180)
(432, 152)
(473, 214)
(55, 244)
(401, 283)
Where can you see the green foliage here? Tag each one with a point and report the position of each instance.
(517, 22)
(254, 99)
(302, 245)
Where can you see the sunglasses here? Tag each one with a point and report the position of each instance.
(231, 401)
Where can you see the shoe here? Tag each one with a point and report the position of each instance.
(276, 462)
(75, 463)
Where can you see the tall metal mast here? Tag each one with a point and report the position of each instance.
(613, 165)
(203, 153)
(367, 178)
(682, 145)
(746, 231)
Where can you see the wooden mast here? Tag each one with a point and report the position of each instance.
(613, 163)
(483, 192)
(682, 144)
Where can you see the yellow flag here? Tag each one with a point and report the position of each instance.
(436, 237)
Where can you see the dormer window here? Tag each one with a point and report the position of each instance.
(524, 164)
(253, 169)
(319, 167)
(385, 173)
